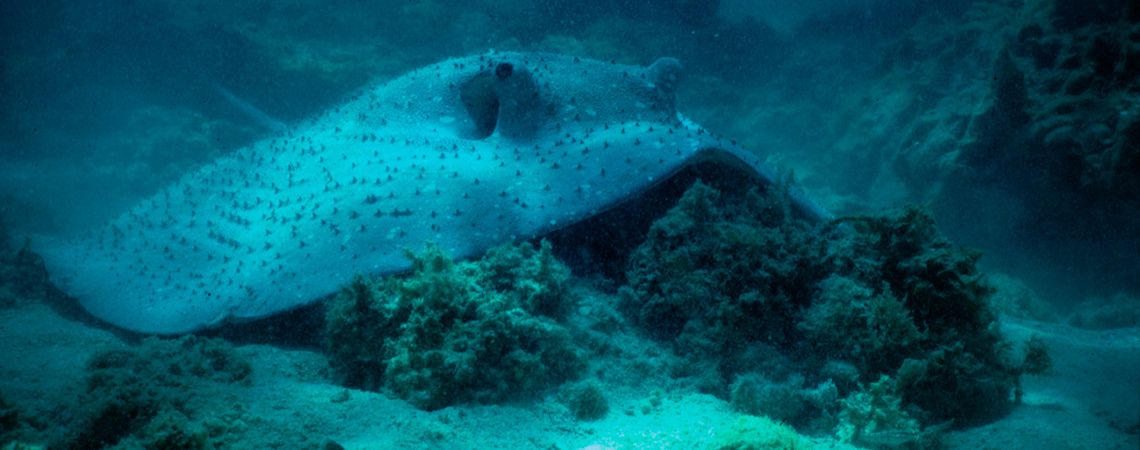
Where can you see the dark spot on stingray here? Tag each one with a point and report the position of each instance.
(504, 71)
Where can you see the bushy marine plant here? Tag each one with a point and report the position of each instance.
(482, 331)
(878, 328)
(722, 272)
(585, 400)
(715, 273)
(957, 367)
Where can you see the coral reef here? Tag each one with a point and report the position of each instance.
(1054, 101)
(145, 396)
(1085, 74)
(1015, 120)
(735, 283)
(485, 331)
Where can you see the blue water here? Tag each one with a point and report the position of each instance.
(1015, 124)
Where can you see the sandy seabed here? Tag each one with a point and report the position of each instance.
(1091, 399)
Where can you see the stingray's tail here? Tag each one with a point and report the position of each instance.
(248, 109)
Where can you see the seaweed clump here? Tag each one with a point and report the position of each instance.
(585, 400)
(951, 362)
(715, 271)
(737, 283)
(484, 331)
(145, 397)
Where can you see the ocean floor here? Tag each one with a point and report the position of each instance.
(1090, 400)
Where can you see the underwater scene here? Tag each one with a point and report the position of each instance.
(570, 225)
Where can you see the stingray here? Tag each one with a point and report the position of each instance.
(466, 154)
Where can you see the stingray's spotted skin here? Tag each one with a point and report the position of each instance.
(468, 153)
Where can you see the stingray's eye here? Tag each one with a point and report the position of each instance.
(504, 71)
(482, 103)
